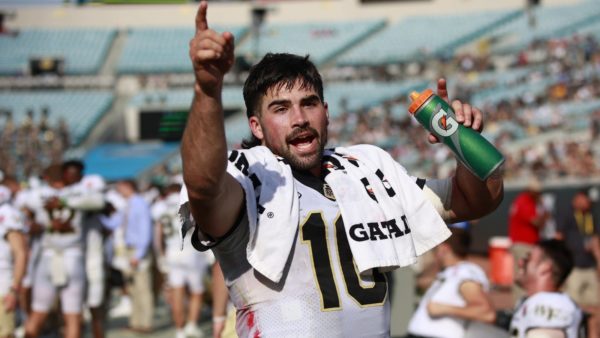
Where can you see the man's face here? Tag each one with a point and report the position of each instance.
(293, 124)
(71, 175)
(121, 188)
(529, 267)
(581, 202)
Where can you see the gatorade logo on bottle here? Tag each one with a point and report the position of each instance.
(470, 147)
(442, 123)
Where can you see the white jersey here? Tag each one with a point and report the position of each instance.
(320, 294)
(85, 195)
(549, 310)
(446, 289)
(165, 212)
(10, 220)
(56, 240)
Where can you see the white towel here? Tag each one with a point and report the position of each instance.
(388, 220)
(268, 184)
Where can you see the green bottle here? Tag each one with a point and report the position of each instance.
(472, 149)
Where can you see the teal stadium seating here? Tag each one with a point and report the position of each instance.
(413, 37)
(161, 50)
(480, 81)
(80, 109)
(592, 29)
(577, 114)
(549, 22)
(83, 50)
(508, 92)
(322, 41)
(364, 95)
(175, 99)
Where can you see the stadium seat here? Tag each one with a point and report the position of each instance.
(548, 21)
(83, 50)
(161, 50)
(415, 37)
(322, 41)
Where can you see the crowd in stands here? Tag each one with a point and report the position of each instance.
(34, 144)
(572, 66)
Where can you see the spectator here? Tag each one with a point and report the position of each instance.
(185, 267)
(527, 217)
(580, 230)
(458, 296)
(132, 231)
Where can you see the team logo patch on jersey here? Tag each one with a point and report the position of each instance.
(327, 192)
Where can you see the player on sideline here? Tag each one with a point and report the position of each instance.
(185, 267)
(546, 312)
(13, 261)
(85, 194)
(61, 270)
(280, 217)
(458, 296)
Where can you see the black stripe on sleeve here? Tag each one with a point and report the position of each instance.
(421, 182)
(211, 242)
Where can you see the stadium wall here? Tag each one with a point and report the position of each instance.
(125, 16)
(496, 223)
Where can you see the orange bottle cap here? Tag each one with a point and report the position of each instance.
(418, 100)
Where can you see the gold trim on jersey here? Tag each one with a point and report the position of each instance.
(360, 281)
(312, 261)
(328, 192)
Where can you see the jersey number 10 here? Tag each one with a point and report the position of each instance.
(314, 232)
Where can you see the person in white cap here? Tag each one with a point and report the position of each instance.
(13, 261)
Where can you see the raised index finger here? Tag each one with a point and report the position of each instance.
(441, 89)
(201, 23)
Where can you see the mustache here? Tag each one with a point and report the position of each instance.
(300, 131)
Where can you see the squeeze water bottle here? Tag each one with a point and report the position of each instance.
(472, 149)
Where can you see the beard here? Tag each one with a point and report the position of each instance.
(305, 162)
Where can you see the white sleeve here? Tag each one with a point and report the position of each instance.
(10, 220)
(439, 193)
(92, 201)
(157, 210)
(550, 311)
(474, 273)
(89, 196)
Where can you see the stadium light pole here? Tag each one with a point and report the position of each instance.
(529, 9)
(258, 17)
